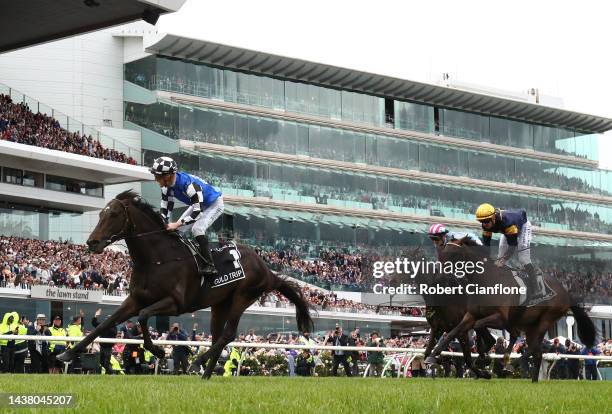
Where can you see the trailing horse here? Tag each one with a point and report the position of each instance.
(506, 312)
(166, 282)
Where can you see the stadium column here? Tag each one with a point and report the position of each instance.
(43, 226)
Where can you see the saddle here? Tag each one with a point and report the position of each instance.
(226, 260)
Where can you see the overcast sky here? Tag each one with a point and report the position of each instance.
(561, 47)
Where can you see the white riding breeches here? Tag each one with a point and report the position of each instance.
(208, 217)
(523, 249)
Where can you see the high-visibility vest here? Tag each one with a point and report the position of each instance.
(229, 364)
(74, 330)
(57, 332)
(20, 344)
(115, 365)
(5, 328)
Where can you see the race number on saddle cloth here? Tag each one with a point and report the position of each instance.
(227, 262)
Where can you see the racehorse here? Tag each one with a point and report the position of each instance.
(505, 312)
(166, 282)
(443, 317)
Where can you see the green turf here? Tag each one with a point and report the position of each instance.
(146, 394)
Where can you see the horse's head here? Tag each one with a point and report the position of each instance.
(127, 215)
(463, 249)
(115, 224)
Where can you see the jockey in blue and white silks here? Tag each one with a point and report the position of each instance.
(204, 201)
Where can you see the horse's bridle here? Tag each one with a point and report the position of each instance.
(123, 234)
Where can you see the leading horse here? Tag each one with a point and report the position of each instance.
(166, 282)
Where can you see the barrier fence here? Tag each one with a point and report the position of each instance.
(406, 355)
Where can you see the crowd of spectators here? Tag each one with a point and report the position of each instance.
(18, 123)
(133, 359)
(27, 262)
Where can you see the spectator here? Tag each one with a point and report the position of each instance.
(590, 365)
(56, 347)
(305, 364)
(375, 359)
(180, 353)
(106, 349)
(39, 350)
(339, 357)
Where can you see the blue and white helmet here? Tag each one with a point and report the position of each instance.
(163, 166)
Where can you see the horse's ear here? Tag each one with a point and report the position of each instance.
(464, 240)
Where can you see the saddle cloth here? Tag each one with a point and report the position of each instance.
(548, 292)
(227, 261)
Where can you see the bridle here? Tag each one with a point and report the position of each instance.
(128, 228)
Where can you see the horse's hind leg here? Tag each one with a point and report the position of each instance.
(228, 335)
(166, 306)
(217, 322)
(467, 357)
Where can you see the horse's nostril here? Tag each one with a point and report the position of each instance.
(92, 243)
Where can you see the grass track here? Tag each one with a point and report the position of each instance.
(169, 394)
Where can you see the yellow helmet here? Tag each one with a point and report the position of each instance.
(484, 212)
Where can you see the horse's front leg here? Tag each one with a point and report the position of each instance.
(166, 307)
(465, 325)
(128, 308)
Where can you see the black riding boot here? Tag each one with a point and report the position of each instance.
(209, 267)
(533, 289)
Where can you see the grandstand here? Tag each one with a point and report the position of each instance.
(323, 168)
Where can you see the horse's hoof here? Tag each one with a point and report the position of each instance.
(65, 356)
(485, 374)
(194, 368)
(431, 360)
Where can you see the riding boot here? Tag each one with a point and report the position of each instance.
(533, 288)
(209, 267)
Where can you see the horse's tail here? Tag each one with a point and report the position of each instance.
(585, 326)
(292, 291)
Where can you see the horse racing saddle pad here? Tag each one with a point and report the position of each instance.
(227, 261)
(546, 292)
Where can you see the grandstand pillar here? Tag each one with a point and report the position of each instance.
(43, 226)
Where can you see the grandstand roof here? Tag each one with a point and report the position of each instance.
(29, 22)
(322, 74)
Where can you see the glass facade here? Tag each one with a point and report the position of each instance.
(317, 185)
(276, 135)
(191, 78)
(310, 182)
(42, 224)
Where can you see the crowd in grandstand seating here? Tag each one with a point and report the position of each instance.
(26, 262)
(18, 123)
(32, 262)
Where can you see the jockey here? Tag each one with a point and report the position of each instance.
(515, 231)
(205, 203)
(440, 236)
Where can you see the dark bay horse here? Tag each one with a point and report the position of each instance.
(505, 312)
(165, 280)
(443, 317)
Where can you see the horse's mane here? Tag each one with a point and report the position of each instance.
(137, 201)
